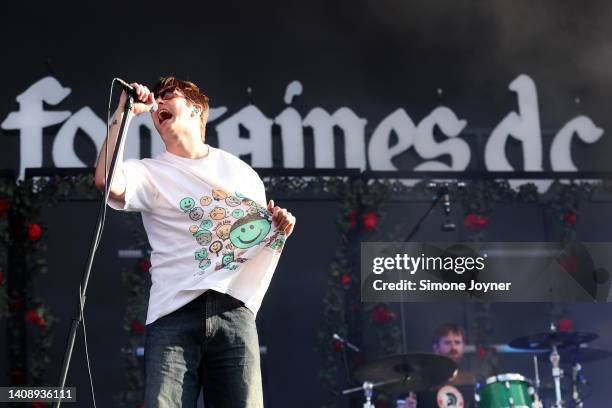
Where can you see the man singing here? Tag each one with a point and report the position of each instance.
(215, 247)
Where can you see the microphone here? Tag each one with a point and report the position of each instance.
(132, 92)
(346, 343)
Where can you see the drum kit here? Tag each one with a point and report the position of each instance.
(565, 351)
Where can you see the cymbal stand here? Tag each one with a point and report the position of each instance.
(557, 373)
(368, 388)
(537, 402)
(576, 380)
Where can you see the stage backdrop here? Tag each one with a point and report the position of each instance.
(372, 85)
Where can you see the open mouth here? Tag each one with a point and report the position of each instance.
(163, 115)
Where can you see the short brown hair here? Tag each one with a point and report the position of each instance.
(190, 90)
(445, 329)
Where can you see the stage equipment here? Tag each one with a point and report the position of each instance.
(559, 344)
(408, 372)
(353, 347)
(505, 390)
(76, 321)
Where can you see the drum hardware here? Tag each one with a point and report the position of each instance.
(561, 348)
(576, 381)
(537, 402)
(408, 372)
(557, 373)
(368, 390)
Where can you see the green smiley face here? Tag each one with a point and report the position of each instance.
(201, 254)
(249, 231)
(187, 204)
(206, 224)
(227, 259)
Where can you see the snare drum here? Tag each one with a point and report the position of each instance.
(505, 391)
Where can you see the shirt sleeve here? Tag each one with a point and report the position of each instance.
(140, 191)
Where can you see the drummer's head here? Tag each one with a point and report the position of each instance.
(449, 340)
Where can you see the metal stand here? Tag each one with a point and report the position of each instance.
(576, 380)
(368, 390)
(76, 321)
(557, 373)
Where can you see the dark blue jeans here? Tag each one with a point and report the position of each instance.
(210, 344)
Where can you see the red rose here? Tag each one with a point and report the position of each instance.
(473, 222)
(39, 404)
(144, 265)
(352, 218)
(566, 325)
(4, 207)
(33, 317)
(141, 405)
(570, 218)
(34, 232)
(482, 352)
(137, 327)
(337, 346)
(1, 278)
(483, 222)
(370, 221)
(345, 279)
(380, 315)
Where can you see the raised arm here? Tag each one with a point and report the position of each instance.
(144, 104)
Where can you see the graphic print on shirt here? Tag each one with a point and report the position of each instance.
(230, 225)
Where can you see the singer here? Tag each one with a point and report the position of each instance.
(215, 245)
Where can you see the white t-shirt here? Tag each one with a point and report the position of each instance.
(208, 227)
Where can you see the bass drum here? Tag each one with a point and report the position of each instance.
(505, 391)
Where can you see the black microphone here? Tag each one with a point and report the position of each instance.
(346, 343)
(132, 92)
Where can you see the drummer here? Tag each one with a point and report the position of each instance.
(448, 340)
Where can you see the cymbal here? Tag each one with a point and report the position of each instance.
(413, 371)
(547, 340)
(581, 354)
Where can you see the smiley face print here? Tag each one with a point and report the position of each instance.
(216, 247)
(238, 213)
(204, 263)
(218, 213)
(201, 254)
(219, 194)
(203, 237)
(227, 259)
(223, 231)
(249, 231)
(206, 200)
(232, 201)
(187, 204)
(196, 213)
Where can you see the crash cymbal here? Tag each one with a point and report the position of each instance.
(414, 371)
(547, 340)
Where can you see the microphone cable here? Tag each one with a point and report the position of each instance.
(97, 239)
